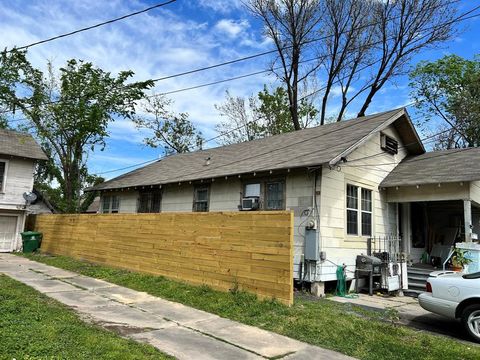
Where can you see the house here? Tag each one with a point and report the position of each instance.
(18, 155)
(346, 183)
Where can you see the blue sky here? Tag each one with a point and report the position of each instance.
(179, 37)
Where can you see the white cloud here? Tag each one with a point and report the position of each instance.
(231, 27)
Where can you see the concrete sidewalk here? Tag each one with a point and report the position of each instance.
(173, 328)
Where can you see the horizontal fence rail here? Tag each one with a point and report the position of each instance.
(252, 251)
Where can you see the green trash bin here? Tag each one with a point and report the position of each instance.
(31, 241)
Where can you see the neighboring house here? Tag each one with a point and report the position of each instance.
(18, 155)
(346, 182)
(41, 205)
(94, 206)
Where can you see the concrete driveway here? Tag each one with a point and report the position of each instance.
(411, 314)
(173, 328)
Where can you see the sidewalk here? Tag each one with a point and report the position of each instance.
(173, 328)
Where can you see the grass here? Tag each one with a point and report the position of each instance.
(33, 326)
(335, 326)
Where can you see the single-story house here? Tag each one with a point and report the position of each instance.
(18, 155)
(346, 183)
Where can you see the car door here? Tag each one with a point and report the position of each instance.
(8, 231)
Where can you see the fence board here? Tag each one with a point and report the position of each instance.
(251, 250)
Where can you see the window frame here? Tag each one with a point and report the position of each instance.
(152, 194)
(4, 178)
(360, 210)
(263, 200)
(110, 209)
(196, 188)
(352, 209)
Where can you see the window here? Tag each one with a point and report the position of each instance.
(200, 199)
(3, 168)
(359, 212)
(274, 195)
(110, 204)
(271, 193)
(366, 212)
(149, 202)
(252, 190)
(352, 210)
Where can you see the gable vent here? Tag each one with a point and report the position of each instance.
(389, 144)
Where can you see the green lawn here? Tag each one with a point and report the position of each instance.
(33, 326)
(352, 331)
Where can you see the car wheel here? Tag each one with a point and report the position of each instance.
(471, 321)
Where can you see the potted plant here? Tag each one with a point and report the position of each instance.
(459, 260)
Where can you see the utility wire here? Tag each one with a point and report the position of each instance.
(272, 51)
(93, 26)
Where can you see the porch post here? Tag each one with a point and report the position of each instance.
(467, 211)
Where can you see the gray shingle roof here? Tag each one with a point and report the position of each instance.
(436, 167)
(308, 147)
(14, 143)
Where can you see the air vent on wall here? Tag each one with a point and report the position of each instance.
(389, 144)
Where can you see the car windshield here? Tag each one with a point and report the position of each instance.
(472, 276)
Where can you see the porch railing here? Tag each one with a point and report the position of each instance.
(385, 247)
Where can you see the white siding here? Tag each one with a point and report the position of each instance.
(19, 179)
(432, 192)
(366, 167)
(475, 192)
(225, 195)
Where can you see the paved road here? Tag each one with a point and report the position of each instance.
(173, 328)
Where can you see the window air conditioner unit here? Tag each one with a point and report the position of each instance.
(389, 144)
(250, 203)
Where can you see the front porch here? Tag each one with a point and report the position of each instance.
(431, 219)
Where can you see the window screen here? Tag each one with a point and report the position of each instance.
(252, 190)
(200, 199)
(274, 195)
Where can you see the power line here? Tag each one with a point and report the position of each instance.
(93, 26)
(275, 50)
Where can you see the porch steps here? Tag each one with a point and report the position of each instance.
(417, 278)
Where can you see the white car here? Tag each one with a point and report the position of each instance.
(454, 295)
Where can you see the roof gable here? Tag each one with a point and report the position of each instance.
(304, 148)
(14, 143)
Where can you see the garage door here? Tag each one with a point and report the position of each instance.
(8, 229)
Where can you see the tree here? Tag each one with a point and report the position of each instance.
(257, 117)
(358, 44)
(172, 131)
(405, 27)
(293, 26)
(68, 114)
(449, 89)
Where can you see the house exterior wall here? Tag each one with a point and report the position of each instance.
(429, 192)
(18, 180)
(475, 192)
(366, 167)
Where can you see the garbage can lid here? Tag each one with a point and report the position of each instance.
(31, 233)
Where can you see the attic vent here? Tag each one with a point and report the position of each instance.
(389, 144)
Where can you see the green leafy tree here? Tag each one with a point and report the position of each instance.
(175, 132)
(264, 115)
(449, 89)
(68, 113)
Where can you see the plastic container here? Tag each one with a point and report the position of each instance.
(31, 241)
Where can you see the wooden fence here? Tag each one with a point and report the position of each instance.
(251, 250)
